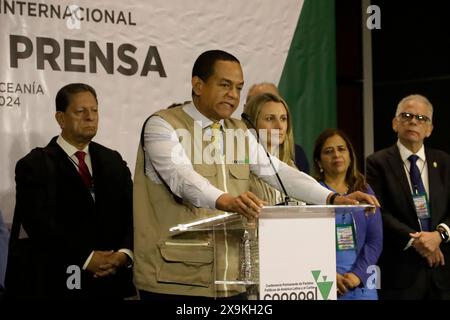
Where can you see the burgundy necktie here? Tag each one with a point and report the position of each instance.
(83, 169)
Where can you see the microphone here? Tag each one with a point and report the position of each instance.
(286, 197)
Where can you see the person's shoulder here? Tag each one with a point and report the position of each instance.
(36, 155)
(174, 108)
(235, 123)
(369, 189)
(382, 154)
(32, 163)
(438, 153)
(299, 151)
(99, 148)
(439, 159)
(104, 153)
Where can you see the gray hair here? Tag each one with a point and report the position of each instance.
(416, 97)
(262, 87)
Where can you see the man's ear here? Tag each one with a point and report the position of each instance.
(59, 116)
(197, 85)
(395, 124)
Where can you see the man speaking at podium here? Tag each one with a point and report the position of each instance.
(172, 188)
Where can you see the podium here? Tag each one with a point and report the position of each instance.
(288, 253)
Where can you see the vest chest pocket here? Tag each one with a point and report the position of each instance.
(206, 170)
(187, 262)
(239, 171)
(239, 175)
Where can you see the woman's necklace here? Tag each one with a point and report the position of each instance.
(342, 189)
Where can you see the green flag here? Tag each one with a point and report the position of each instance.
(308, 81)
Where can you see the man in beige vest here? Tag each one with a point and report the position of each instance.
(179, 179)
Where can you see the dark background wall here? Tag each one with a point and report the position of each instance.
(411, 54)
(349, 73)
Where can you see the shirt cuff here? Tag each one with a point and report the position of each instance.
(319, 194)
(88, 260)
(409, 244)
(130, 255)
(212, 194)
(443, 225)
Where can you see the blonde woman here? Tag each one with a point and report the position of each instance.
(270, 115)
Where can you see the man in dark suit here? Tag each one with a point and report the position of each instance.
(72, 230)
(413, 185)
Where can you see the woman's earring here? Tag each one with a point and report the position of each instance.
(321, 170)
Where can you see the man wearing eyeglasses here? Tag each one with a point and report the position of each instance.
(412, 183)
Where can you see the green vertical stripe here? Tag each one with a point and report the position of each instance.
(308, 81)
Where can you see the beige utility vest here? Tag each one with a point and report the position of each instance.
(188, 263)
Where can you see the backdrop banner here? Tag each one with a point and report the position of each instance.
(138, 55)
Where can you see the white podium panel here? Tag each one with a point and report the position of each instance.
(297, 253)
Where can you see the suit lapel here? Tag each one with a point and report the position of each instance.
(93, 151)
(62, 161)
(397, 167)
(66, 167)
(97, 175)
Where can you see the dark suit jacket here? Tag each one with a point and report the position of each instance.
(301, 161)
(64, 224)
(386, 174)
(4, 239)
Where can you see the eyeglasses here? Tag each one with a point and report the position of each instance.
(406, 116)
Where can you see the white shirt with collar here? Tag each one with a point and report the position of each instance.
(421, 164)
(160, 139)
(70, 151)
(423, 168)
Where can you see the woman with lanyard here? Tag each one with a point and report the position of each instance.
(359, 235)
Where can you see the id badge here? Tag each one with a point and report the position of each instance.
(345, 237)
(421, 205)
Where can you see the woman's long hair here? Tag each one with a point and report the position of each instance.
(253, 109)
(354, 179)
